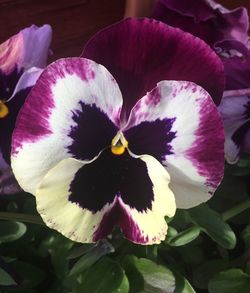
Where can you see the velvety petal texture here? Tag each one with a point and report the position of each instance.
(141, 52)
(74, 109)
(205, 19)
(178, 123)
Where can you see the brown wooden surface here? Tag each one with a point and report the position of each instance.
(73, 21)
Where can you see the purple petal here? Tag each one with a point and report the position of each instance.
(207, 20)
(29, 48)
(235, 112)
(236, 59)
(141, 52)
(74, 108)
(27, 80)
(36, 46)
(178, 123)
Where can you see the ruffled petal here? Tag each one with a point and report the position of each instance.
(27, 80)
(28, 48)
(85, 200)
(235, 112)
(74, 107)
(178, 123)
(236, 59)
(207, 20)
(141, 52)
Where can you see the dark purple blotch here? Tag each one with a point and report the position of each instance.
(98, 183)
(152, 138)
(7, 124)
(93, 132)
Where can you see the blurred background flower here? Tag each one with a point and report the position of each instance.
(22, 58)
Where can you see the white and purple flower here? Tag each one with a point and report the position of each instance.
(123, 135)
(21, 59)
(227, 32)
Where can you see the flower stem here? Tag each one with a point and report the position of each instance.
(234, 211)
(25, 218)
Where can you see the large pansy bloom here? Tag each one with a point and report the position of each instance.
(205, 19)
(235, 105)
(124, 138)
(21, 59)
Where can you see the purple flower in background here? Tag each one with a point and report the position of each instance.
(21, 59)
(235, 104)
(226, 31)
(205, 19)
(123, 135)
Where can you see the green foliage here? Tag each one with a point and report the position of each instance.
(212, 224)
(149, 277)
(11, 231)
(233, 281)
(6, 279)
(111, 278)
(206, 250)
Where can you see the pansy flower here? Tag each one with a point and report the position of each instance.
(205, 19)
(235, 105)
(21, 59)
(123, 135)
(227, 32)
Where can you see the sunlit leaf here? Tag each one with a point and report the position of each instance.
(148, 277)
(11, 231)
(104, 276)
(184, 237)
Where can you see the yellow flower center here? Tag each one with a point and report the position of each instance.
(4, 110)
(119, 144)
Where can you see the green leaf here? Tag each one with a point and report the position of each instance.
(59, 248)
(182, 284)
(172, 232)
(11, 231)
(104, 276)
(102, 248)
(231, 281)
(30, 274)
(6, 279)
(204, 273)
(246, 236)
(213, 225)
(180, 220)
(80, 250)
(148, 277)
(184, 237)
